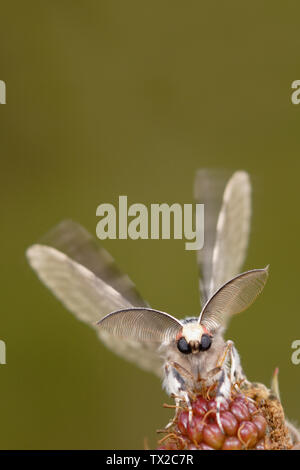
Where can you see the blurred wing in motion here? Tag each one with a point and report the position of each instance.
(227, 212)
(233, 297)
(87, 281)
(138, 333)
(83, 293)
(78, 244)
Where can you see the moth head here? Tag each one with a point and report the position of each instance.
(193, 338)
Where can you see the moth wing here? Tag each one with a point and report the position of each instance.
(233, 297)
(233, 228)
(139, 334)
(227, 213)
(80, 246)
(78, 288)
(69, 263)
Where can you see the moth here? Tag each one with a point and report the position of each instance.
(184, 353)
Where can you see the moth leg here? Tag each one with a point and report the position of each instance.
(225, 382)
(175, 384)
(182, 370)
(236, 371)
(172, 421)
(223, 358)
(237, 374)
(223, 392)
(184, 374)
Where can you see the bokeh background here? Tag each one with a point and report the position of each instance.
(112, 97)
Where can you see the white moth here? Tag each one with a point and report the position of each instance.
(183, 352)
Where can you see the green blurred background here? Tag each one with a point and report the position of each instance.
(129, 97)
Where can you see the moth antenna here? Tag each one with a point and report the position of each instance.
(233, 297)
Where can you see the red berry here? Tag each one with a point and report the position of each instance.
(213, 436)
(184, 442)
(251, 407)
(229, 423)
(204, 446)
(240, 410)
(232, 443)
(260, 445)
(248, 434)
(243, 424)
(241, 398)
(192, 447)
(212, 405)
(183, 420)
(260, 424)
(224, 406)
(172, 446)
(200, 406)
(195, 429)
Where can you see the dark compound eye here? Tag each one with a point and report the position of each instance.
(205, 342)
(183, 346)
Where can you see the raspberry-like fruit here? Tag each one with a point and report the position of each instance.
(244, 426)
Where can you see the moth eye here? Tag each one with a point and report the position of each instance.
(205, 342)
(183, 346)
